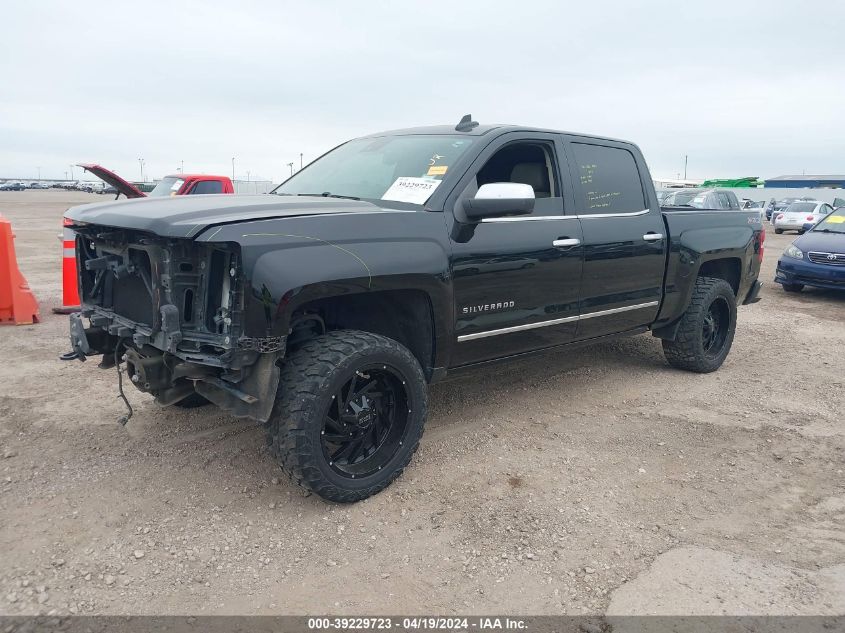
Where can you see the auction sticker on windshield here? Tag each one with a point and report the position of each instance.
(411, 189)
(836, 219)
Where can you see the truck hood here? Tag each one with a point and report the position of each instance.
(188, 216)
(123, 186)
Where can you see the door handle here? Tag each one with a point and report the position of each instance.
(566, 242)
(653, 237)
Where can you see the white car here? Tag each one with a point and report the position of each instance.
(797, 214)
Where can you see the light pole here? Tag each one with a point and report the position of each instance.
(71, 172)
(233, 168)
(141, 163)
(181, 166)
(247, 175)
(300, 160)
(39, 174)
(65, 175)
(685, 166)
(291, 168)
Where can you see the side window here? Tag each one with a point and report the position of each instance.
(724, 200)
(610, 180)
(207, 186)
(527, 162)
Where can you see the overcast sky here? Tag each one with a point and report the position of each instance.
(744, 88)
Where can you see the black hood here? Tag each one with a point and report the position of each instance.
(188, 216)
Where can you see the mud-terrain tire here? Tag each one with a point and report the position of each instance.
(318, 407)
(706, 330)
(191, 402)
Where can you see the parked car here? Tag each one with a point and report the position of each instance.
(173, 185)
(703, 199)
(12, 186)
(799, 214)
(817, 258)
(323, 310)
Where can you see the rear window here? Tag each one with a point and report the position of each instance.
(609, 178)
(207, 186)
(801, 207)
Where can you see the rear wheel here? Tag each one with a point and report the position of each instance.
(707, 328)
(793, 287)
(778, 231)
(349, 414)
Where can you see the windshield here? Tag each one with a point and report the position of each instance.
(801, 207)
(833, 223)
(169, 186)
(680, 198)
(400, 168)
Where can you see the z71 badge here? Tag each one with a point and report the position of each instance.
(488, 307)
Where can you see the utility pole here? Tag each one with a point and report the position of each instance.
(141, 163)
(233, 168)
(291, 168)
(685, 166)
(300, 160)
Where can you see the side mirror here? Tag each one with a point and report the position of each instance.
(500, 199)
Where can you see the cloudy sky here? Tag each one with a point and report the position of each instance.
(742, 87)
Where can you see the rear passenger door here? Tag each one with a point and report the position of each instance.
(624, 240)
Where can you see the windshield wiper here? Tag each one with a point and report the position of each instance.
(327, 194)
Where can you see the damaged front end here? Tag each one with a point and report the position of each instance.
(172, 310)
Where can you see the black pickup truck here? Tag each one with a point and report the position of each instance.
(324, 309)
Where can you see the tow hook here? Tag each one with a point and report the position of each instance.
(79, 345)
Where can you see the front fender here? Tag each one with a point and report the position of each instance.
(291, 262)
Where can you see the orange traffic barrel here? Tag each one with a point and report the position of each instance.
(18, 305)
(70, 288)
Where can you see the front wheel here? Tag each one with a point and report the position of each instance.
(707, 328)
(779, 231)
(349, 414)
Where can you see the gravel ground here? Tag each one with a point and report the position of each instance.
(596, 481)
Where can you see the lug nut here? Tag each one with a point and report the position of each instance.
(135, 378)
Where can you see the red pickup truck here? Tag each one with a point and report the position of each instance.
(174, 185)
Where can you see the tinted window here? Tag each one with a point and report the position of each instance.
(525, 162)
(610, 180)
(724, 200)
(207, 186)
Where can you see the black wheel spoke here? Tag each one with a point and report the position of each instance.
(337, 438)
(331, 424)
(358, 445)
(363, 428)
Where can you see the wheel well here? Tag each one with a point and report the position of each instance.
(403, 315)
(727, 269)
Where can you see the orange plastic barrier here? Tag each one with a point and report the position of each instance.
(17, 303)
(70, 289)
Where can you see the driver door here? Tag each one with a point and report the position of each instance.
(516, 280)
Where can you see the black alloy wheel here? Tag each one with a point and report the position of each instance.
(366, 422)
(715, 325)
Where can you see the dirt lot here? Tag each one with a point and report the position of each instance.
(589, 481)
